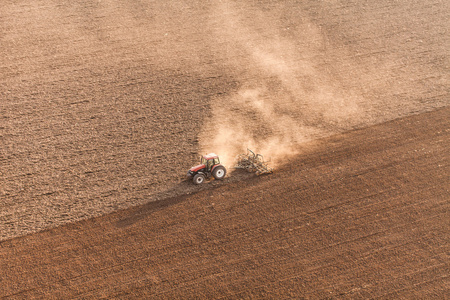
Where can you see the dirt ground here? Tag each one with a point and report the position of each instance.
(364, 214)
(105, 105)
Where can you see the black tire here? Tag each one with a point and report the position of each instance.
(199, 178)
(219, 172)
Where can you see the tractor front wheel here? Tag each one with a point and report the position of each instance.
(219, 172)
(199, 178)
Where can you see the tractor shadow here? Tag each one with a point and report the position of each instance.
(179, 193)
(137, 213)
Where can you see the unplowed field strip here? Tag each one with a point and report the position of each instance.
(364, 214)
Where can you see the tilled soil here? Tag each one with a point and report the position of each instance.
(363, 214)
(105, 105)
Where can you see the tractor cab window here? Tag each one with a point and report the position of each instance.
(210, 164)
(203, 161)
(216, 161)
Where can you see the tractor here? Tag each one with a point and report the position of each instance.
(209, 166)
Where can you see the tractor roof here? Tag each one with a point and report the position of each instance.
(210, 156)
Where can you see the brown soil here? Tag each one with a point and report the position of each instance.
(105, 105)
(364, 214)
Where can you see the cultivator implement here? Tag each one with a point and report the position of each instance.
(253, 163)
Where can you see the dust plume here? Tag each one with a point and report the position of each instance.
(284, 98)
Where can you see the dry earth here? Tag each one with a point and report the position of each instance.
(104, 105)
(364, 214)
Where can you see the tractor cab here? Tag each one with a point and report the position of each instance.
(209, 166)
(210, 160)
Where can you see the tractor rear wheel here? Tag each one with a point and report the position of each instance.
(219, 172)
(199, 178)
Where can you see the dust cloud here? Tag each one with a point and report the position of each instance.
(284, 97)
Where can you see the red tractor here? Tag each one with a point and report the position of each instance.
(209, 166)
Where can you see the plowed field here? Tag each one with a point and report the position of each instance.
(105, 105)
(364, 214)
